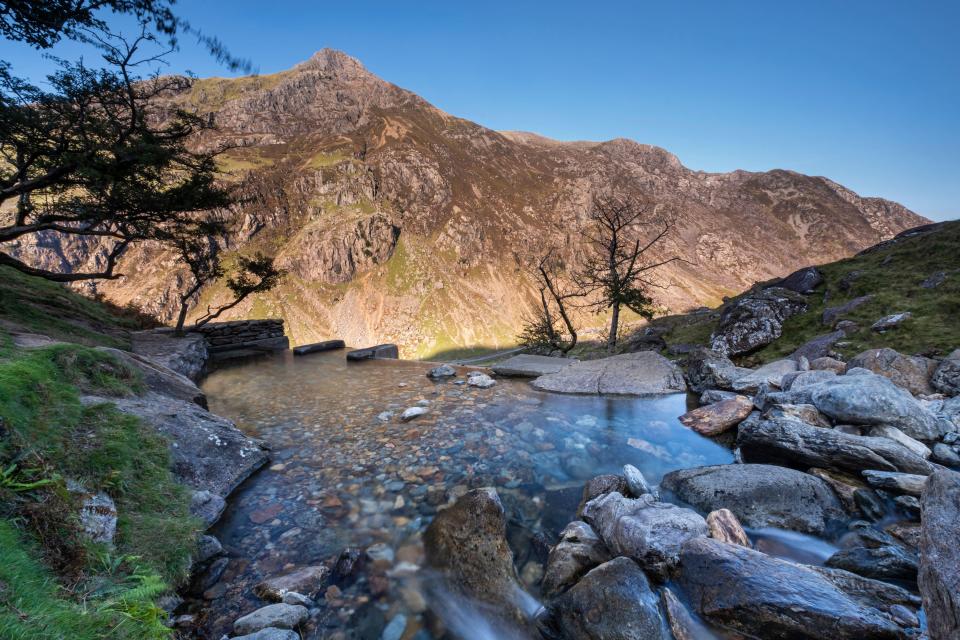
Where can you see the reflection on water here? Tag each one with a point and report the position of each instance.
(346, 472)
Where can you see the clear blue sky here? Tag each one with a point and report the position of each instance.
(864, 92)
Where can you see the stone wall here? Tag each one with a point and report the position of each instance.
(244, 335)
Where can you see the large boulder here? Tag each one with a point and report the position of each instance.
(278, 616)
(528, 365)
(771, 373)
(644, 529)
(760, 495)
(863, 398)
(946, 377)
(467, 543)
(940, 555)
(744, 590)
(802, 280)
(641, 373)
(158, 378)
(186, 354)
(755, 320)
(707, 369)
(909, 372)
(714, 419)
(612, 602)
(208, 452)
(794, 443)
(578, 551)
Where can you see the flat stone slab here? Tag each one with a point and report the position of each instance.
(388, 351)
(636, 374)
(317, 347)
(531, 366)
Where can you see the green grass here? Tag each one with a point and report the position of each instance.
(54, 584)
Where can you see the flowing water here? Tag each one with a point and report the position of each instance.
(346, 472)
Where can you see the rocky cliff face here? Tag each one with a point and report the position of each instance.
(398, 222)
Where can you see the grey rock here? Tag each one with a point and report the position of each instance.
(818, 347)
(802, 379)
(379, 352)
(306, 580)
(907, 483)
(946, 377)
(158, 378)
(793, 443)
(411, 413)
(207, 506)
(271, 633)
(760, 495)
(892, 433)
(712, 396)
(208, 452)
(208, 547)
(888, 562)
(747, 591)
(828, 364)
(832, 315)
(803, 412)
(771, 373)
(803, 280)
(531, 366)
(578, 551)
(939, 578)
(934, 280)
(641, 373)
(755, 320)
(480, 380)
(891, 321)
(292, 597)
(600, 486)
(98, 518)
(612, 602)
(909, 372)
(319, 347)
(443, 371)
(636, 483)
(707, 369)
(643, 529)
(945, 455)
(280, 616)
(186, 355)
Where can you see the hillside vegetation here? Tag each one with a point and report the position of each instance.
(54, 450)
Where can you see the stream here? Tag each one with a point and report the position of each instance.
(347, 473)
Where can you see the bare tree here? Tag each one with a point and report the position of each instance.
(543, 329)
(616, 272)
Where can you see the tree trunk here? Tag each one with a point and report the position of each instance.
(614, 322)
(184, 304)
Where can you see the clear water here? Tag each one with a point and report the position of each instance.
(344, 475)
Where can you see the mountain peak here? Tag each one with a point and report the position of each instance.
(335, 63)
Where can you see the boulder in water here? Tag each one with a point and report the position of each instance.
(279, 616)
(443, 371)
(579, 551)
(714, 419)
(641, 373)
(307, 580)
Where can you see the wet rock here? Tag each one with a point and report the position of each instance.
(599, 486)
(907, 483)
(892, 433)
(755, 320)
(707, 369)
(791, 443)
(280, 616)
(468, 543)
(208, 547)
(940, 555)
(531, 366)
(909, 372)
(946, 377)
(750, 592)
(411, 413)
(843, 484)
(832, 315)
(636, 483)
(643, 529)
(803, 280)
(909, 505)
(682, 624)
(828, 364)
(443, 371)
(292, 597)
(480, 380)
(760, 495)
(348, 565)
(715, 419)
(207, 506)
(887, 562)
(945, 455)
(612, 602)
(641, 373)
(271, 633)
(578, 551)
(891, 321)
(307, 580)
(725, 527)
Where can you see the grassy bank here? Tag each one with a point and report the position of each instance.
(54, 583)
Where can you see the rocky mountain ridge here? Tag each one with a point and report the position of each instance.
(401, 223)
